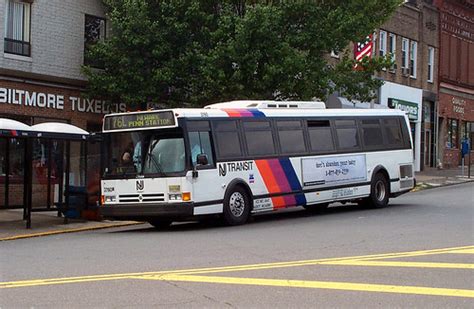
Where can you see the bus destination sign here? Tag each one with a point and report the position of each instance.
(141, 120)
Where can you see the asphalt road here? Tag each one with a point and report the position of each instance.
(418, 252)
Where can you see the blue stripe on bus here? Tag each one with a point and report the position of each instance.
(256, 113)
(290, 174)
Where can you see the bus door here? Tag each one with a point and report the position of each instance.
(204, 183)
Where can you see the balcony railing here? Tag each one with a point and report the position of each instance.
(17, 47)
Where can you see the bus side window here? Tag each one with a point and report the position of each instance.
(393, 132)
(227, 139)
(200, 143)
(347, 135)
(372, 134)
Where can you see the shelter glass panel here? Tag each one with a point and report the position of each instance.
(16, 171)
(39, 184)
(3, 169)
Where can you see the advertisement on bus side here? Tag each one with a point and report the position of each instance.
(329, 171)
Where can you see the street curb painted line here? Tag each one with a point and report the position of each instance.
(426, 186)
(82, 229)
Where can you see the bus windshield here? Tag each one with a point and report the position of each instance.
(144, 153)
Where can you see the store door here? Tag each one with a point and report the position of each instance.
(427, 148)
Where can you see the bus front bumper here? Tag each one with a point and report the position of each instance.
(140, 211)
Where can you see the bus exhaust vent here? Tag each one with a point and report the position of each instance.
(270, 104)
(406, 176)
(406, 171)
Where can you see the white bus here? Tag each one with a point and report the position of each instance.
(244, 157)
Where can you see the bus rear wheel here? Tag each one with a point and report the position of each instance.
(236, 206)
(379, 192)
(160, 224)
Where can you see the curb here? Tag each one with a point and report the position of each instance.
(82, 229)
(426, 186)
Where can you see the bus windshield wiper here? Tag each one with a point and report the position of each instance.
(152, 158)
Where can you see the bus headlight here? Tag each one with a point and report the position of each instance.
(110, 198)
(174, 196)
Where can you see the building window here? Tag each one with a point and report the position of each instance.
(452, 141)
(383, 43)
(430, 63)
(392, 47)
(405, 54)
(17, 28)
(413, 50)
(94, 31)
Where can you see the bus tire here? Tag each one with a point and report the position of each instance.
(379, 192)
(317, 207)
(236, 206)
(160, 224)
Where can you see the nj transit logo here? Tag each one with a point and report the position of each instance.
(140, 185)
(229, 167)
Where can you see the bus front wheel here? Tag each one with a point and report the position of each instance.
(379, 192)
(236, 206)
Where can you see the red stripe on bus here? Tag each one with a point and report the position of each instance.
(267, 175)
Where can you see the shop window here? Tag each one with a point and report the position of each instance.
(430, 63)
(405, 54)
(452, 141)
(413, 56)
(392, 47)
(383, 43)
(17, 28)
(470, 126)
(94, 32)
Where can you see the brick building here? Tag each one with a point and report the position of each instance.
(44, 43)
(456, 78)
(41, 59)
(410, 36)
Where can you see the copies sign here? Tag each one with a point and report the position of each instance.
(333, 170)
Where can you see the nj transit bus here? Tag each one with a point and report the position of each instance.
(239, 158)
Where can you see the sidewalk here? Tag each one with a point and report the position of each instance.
(433, 177)
(48, 223)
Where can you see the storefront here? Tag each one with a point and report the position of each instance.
(408, 99)
(32, 105)
(456, 123)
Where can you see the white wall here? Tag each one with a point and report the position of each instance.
(411, 94)
(57, 37)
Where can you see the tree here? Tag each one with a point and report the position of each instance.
(201, 52)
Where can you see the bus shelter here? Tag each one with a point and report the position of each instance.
(43, 168)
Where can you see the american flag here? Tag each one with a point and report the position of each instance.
(363, 49)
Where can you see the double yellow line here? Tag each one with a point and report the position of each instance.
(196, 275)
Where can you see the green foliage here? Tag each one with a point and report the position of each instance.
(201, 52)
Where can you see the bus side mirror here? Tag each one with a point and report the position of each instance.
(201, 159)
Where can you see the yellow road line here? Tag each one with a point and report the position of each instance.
(81, 229)
(463, 251)
(347, 286)
(50, 281)
(400, 264)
